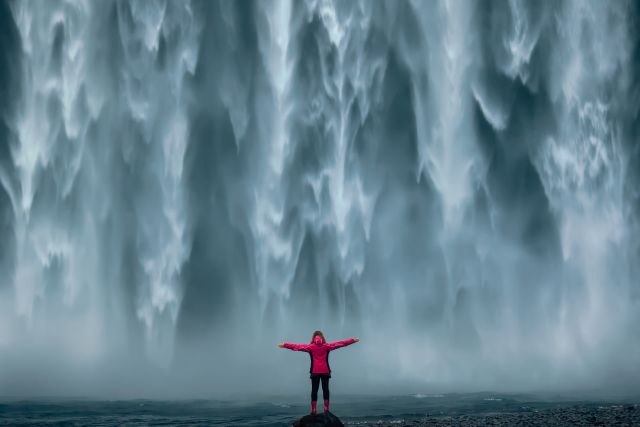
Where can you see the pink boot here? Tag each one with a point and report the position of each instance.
(326, 405)
(313, 407)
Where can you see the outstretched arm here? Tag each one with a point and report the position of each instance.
(294, 347)
(343, 343)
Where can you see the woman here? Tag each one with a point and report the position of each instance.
(318, 351)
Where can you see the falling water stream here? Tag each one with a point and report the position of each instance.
(183, 184)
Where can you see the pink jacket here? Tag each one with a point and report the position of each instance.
(319, 353)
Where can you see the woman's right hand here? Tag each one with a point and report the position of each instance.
(281, 345)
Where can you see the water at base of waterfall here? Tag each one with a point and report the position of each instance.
(414, 410)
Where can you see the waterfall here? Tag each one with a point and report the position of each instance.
(186, 183)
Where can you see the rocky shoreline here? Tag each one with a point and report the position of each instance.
(582, 415)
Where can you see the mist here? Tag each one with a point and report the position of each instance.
(184, 184)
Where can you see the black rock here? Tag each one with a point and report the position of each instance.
(326, 419)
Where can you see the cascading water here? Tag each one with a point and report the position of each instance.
(186, 183)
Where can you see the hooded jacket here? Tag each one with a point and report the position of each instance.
(319, 353)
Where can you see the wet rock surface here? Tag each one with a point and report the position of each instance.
(326, 419)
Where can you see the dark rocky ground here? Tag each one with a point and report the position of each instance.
(326, 419)
(461, 409)
(581, 415)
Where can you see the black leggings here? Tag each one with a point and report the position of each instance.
(315, 383)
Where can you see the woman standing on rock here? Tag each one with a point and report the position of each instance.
(318, 351)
